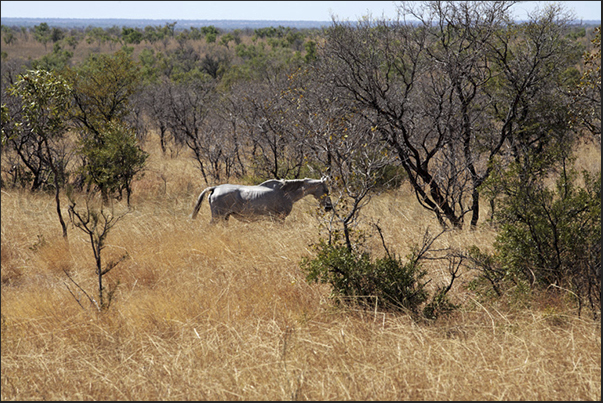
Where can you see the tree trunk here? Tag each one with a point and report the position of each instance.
(57, 189)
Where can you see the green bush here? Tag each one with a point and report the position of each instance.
(388, 281)
(549, 238)
(112, 160)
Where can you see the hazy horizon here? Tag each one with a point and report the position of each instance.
(245, 10)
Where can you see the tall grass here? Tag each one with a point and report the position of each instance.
(223, 313)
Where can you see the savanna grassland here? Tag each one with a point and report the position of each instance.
(202, 312)
(206, 312)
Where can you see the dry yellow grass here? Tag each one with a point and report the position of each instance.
(223, 313)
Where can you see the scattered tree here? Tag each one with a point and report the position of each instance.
(45, 99)
(103, 87)
(96, 222)
(42, 33)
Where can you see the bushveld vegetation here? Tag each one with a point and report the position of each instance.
(461, 261)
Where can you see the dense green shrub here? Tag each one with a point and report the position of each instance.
(388, 281)
(112, 160)
(548, 238)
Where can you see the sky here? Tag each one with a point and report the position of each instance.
(244, 10)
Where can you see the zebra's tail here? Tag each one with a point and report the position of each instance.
(200, 200)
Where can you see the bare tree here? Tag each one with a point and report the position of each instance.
(199, 118)
(188, 105)
(226, 131)
(276, 151)
(219, 146)
(154, 101)
(446, 94)
(233, 113)
(96, 222)
(338, 141)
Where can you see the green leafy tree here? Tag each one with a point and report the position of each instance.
(152, 34)
(225, 39)
(8, 35)
(45, 98)
(211, 37)
(387, 282)
(353, 275)
(182, 38)
(97, 34)
(72, 41)
(211, 33)
(56, 34)
(131, 35)
(168, 29)
(215, 64)
(311, 51)
(112, 160)
(295, 40)
(210, 29)
(42, 33)
(549, 237)
(195, 34)
(237, 36)
(5, 119)
(148, 65)
(103, 86)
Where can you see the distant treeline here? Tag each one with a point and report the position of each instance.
(183, 24)
(141, 23)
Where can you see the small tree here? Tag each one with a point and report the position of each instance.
(131, 35)
(113, 159)
(42, 33)
(354, 276)
(550, 237)
(45, 97)
(7, 35)
(187, 106)
(103, 86)
(56, 60)
(153, 100)
(56, 34)
(96, 222)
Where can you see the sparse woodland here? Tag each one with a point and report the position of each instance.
(461, 260)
